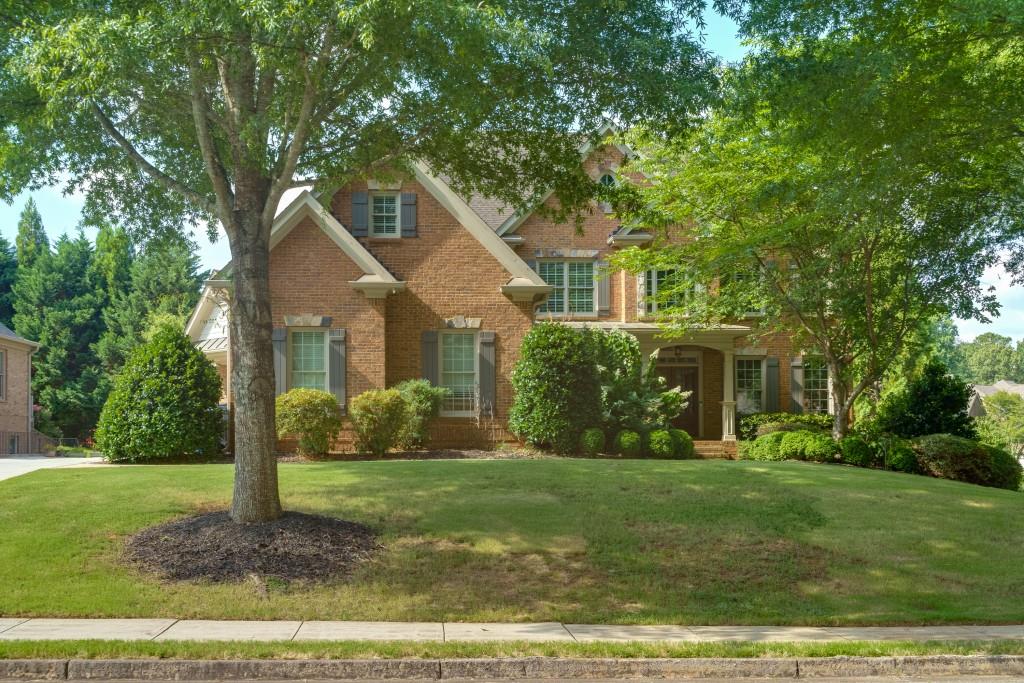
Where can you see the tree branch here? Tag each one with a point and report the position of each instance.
(211, 159)
(161, 178)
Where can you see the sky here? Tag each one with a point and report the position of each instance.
(61, 214)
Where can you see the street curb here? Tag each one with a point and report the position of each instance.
(927, 667)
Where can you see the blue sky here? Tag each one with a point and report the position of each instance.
(61, 214)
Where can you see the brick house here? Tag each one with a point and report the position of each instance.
(377, 283)
(16, 427)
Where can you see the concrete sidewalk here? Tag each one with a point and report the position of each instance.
(16, 465)
(185, 629)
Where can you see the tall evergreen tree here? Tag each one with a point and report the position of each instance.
(163, 280)
(112, 261)
(31, 240)
(8, 273)
(57, 304)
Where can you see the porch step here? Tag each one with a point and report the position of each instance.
(714, 449)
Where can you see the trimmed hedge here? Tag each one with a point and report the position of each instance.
(952, 457)
(748, 424)
(423, 401)
(856, 451)
(765, 447)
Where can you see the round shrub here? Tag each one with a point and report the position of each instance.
(592, 441)
(378, 418)
(163, 403)
(1006, 469)
(900, 457)
(628, 444)
(660, 444)
(820, 447)
(424, 402)
(792, 445)
(682, 443)
(557, 387)
(936, 401)
(312, 415)
(856, 451)
(765, 447)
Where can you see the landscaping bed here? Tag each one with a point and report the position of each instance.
(213, 548)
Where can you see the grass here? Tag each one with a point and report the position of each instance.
(579, 541)
(353, 649)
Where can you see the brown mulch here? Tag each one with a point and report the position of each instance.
(294, 547)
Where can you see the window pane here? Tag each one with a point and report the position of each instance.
(458, 371)
(553, 273)
(308, 360)
(749, 386)
(581, 287)
(385, 214)
(815, 386)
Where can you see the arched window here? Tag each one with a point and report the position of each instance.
(608, 180)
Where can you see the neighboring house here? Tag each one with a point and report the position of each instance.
(976, 408)
(16, 430)
(377, 283)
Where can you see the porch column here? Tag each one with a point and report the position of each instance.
(729, 402)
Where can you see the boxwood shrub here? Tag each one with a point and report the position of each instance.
(592, 441)
(899, 456)
(792, 445)
(682, 443)
(856, 451)
(378, 418)
(953, 457)
(312, 415)
(660, 444)
(820, 447)
(765, 447)
(423, 401)
(628, 444)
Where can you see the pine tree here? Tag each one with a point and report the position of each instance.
(112, 261)
(163, 280)
(31, 240)
(57, 304)
(8, 273)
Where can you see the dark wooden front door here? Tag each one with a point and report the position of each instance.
(686, 378)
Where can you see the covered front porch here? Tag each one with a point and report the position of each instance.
(701, 361)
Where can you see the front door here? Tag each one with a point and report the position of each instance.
(687, 378)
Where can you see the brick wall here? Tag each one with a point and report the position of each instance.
(14, 408)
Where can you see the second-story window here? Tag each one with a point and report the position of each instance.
(384, 221)
(573, 283)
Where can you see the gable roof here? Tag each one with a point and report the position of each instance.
(7, 334)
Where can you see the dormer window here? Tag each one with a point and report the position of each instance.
(607, 180)
(384, 221)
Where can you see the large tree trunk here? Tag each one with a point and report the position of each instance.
(840, 402)
(256, 496)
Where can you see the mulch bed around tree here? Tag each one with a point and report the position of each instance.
(295, 547)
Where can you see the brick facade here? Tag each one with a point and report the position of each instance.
(14, 405)
(448, 273)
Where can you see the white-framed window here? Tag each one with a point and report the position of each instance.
(661, 292)
(573, 283)
(816, 393)
(607, 179)
(385, 215)
(307, 359)
(3, 375)
(459, 372)
(749, 385)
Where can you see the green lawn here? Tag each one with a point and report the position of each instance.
(694, 542)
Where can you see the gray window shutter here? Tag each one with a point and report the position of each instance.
(604, 293)
(796, 385)
(488, 377)
(280, 339)
(336, 360)
(771, 385)
(428, 357)
(408, 216)
(360, 214)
